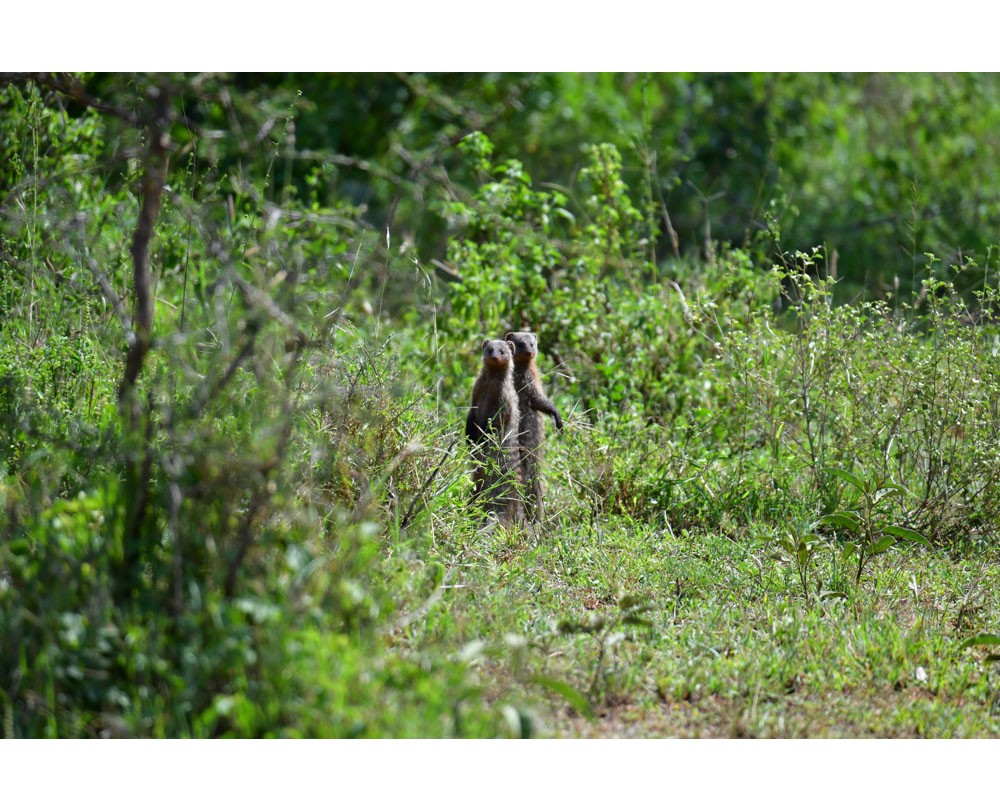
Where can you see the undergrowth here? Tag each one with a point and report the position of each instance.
(769, 514)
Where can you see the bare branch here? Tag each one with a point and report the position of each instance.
(153, 180)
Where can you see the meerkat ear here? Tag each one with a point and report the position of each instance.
(484, 345)
(511, 345)
(509, 337)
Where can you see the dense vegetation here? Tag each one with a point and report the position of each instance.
(239, 324)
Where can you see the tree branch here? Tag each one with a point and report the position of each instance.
(153, 179)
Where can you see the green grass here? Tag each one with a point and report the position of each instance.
(731, 648)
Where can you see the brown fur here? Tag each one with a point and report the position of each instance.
(492, 430)
(531, 429)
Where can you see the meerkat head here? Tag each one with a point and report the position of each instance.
(498, 353)
(525, 344)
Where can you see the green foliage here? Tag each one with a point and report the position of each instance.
(904, 393)
(582, 281)
(901, 146)
(866, 520)
(880, 168)
(766, 501)
(799, 549)
(191, 577)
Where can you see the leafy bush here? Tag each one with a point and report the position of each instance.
(906, 393)
(185, 564)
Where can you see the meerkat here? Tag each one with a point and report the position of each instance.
(492, 430)
(531, 429)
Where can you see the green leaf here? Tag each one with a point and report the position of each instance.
(589, 625)
(575, 698)
(847, 477)
(981, 639)
(518, 721)
(843, 520)
(833, 595)
(567, 215)
(908, 535)
(883, 543)
(889, 489)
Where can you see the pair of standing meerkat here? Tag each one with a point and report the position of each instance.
(506, 430)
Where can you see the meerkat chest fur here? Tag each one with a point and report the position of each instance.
(492, 430)
(526, 376)
(494, 397)
(493, 390)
